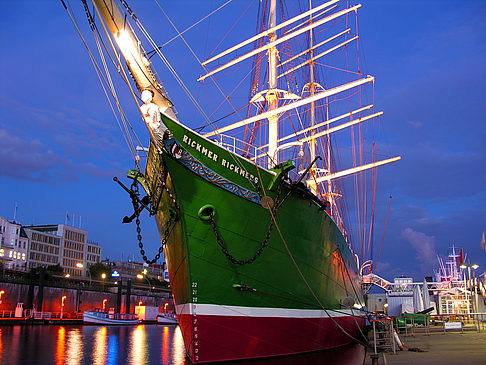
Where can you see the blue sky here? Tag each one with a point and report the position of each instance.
(60, 146)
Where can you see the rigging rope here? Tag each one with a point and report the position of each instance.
(383, 236)
(198, 60)
(192, 26)
(310, 289)
(101, 78)
(300, 272)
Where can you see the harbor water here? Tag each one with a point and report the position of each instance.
(136, 345)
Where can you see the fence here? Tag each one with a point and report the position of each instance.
(424, 323)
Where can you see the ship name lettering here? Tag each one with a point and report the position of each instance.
(210, 154)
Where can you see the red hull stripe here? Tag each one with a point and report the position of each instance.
(222, 338)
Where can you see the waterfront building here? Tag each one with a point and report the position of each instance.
(25, 247)
(400, 296)
(376, 302)
(130, 269)
(64, 245)
(457, 289)
(13, 245)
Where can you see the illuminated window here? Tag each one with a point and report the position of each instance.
(23, 256)
(10, 254)
(2, 252)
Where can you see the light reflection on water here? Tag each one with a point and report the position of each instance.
(74, 347)
(142, 344)
(61, 346)
(99, 345)
(137, 354)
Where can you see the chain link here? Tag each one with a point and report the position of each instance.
(225, 251)
(134, 196)
(162, 243)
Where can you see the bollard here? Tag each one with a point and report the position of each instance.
(127, 296)
(374, 359)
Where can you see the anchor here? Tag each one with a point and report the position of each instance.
(138, 205)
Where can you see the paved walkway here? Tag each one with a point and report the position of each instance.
(438, 348)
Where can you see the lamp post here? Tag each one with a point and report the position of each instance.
(80, 266)
(142, 276)
(475, 303)
(474, 267)
(463, 267)
(62, 304)
(103, 276)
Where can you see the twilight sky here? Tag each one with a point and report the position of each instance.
(60, 146)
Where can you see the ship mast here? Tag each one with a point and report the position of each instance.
(312, 141)
(136, 61)
(271, 95)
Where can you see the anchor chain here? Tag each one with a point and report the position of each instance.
(162, 243)
(225, 251)
(134, 196)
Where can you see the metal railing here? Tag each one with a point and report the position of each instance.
(235, 145)
(425, 323)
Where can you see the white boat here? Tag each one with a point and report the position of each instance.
(96, 317)
(167, 318)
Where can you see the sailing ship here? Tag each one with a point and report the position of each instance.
(254, 229)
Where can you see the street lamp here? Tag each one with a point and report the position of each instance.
(103, 276)
(80, 266)
(471, 283)
(141, 276)
(62, 304)
(1, 293)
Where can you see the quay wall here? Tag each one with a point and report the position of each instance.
(77, 299)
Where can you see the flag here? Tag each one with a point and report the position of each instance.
(461, 257)
(483, 243)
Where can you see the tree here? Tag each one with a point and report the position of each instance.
(97, 269)
(55, 270)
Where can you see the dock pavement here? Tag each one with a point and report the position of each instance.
(437, 348)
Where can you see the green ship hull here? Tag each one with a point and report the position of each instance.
(245, 271)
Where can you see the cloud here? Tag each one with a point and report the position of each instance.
(423, 244)
(26, 159)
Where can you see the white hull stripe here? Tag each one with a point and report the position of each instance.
(228, 310)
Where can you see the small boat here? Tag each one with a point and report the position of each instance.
(167, 318)
(99, 317)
